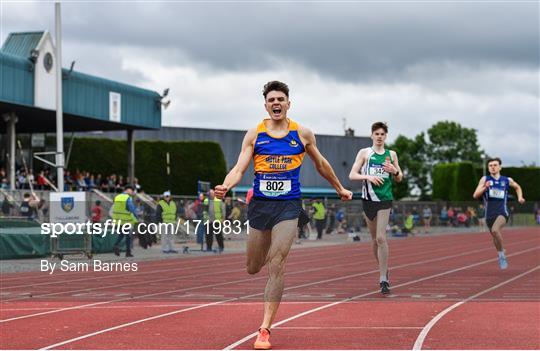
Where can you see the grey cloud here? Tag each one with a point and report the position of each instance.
(347, 41)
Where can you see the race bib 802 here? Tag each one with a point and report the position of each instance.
(274, 188)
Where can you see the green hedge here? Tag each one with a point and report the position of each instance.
(190, 161)
(465, 182)
(528, 178)
(442, 178)
(457, 181)
(454, 181)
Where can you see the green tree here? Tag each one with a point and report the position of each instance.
(413, 160)
(446, 142)
(450, 142)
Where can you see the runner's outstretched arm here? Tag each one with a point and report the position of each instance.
(518, 190)
(237, 172)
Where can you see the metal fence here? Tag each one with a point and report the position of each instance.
(461, 213)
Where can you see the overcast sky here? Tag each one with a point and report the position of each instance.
(410, 64)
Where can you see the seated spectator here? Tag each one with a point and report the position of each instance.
(443, 218)
(29, 206)
(21, 180)
(6, 207)
(136, 185)
(408, 225)
(462, 219)
(119, 186)
(81, 184)
(341, 222)
(426, 214)
(68, 181)
(41, 183)
(91, 182)
(451, 216)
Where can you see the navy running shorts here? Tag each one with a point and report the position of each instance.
(264, 214)
(491, 220)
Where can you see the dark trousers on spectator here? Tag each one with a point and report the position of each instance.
(301, 233)
(128, 241)
(210, 232)
(319, 223)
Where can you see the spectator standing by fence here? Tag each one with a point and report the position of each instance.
(97, 212)
(214, 211)
(427, 219)
(6, 207)
(319, 216)
(124, 210)
(166, 213)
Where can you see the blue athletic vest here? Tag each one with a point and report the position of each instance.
(277, 163)
(496, 196)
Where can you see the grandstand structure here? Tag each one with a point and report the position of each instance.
(116, 110)
(90, 103)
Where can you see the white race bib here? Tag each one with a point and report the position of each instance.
(378, 170)
(274, 188)
(496, 193)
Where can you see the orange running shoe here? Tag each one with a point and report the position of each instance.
(263, 340)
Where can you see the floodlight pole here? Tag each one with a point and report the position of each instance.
(59, 111)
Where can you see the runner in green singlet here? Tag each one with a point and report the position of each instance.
(377, 168)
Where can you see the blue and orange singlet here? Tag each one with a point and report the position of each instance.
(277, 164)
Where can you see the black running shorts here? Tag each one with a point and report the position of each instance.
(372, 207)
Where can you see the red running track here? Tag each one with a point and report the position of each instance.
(447, 293)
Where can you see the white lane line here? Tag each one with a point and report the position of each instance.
(248, 296)
(342, 328)
(131, 323)
(246, 303)
(166, 292)
(234, 282)
(27, 295)
(250, 336)
(354, 253)
(222, 260)
(140, 273)
(423, 334)
(172, 261)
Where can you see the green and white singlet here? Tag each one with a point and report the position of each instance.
(374, 167)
